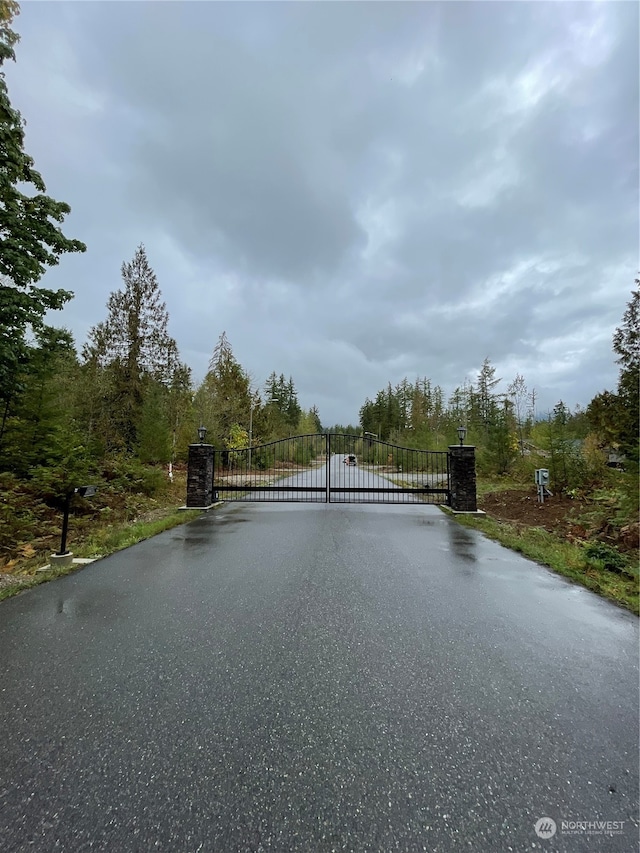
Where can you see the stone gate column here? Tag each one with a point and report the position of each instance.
(462, 478)
(200, 476)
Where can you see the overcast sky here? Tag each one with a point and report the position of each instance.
(355, 192)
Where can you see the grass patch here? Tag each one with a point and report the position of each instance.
(105, 542)
(567, 559)
(102, 542)
(27, 581)
(502, 484)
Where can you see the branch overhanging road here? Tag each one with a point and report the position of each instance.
(316, 677)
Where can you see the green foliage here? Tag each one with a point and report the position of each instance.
(402, 411)
(43, 430)
(626, 343)
(238, 438)
(130, 355)
(224, 397)
(107, 541)
(566, 464)
(282, 409)
(125, 474)
(604, 413)
(153, 433)
(30, 235)
(20, 515)
(180, 413)
(606, 556)
(616, 417)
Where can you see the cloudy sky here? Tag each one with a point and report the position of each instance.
(355, 192)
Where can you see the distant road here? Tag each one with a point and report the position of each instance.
(360, 477)
(316, 678)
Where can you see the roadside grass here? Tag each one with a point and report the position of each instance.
(99, 542)
(502, 484)
(567, 559)
(105, 542)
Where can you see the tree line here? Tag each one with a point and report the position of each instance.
(127, 393)
(504, 425)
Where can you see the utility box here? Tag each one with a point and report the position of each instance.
(542, 476)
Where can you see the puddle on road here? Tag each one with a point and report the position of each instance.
(89, 607)
(463, 543)
(203, 531)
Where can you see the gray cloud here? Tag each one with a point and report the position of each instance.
(355, 192)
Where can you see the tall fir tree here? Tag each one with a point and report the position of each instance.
(224, 397)
(133, 348)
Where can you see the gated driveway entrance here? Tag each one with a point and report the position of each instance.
(319, 468)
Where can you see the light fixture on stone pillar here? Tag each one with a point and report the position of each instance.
(202, 432)
(462, 431)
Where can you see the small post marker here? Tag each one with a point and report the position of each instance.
(64, 557)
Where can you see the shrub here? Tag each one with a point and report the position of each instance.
(127, 475)
(605, 556)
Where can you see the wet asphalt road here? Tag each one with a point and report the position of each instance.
(315, 678)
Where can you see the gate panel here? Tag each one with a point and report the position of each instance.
(316, 468)
(290, 469)
(385, 473)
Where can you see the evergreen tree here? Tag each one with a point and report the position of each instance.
(154, 431)
(42, 429)
(626, 343)
(131, 347)
(315, 419)
(501, 438)
(181, 415)
(565, 460)
(282, 409)
(30, 237)
(605, 414)
(292, 408)
(419, 403)
(616, 417)
(485, 403)
(224, 398)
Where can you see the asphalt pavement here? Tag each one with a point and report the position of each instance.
(317, 677)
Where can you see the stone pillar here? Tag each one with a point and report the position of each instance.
(462, 478)
(200, 476)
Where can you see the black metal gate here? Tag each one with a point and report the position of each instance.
(331, 468)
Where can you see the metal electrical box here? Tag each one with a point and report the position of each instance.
(542, 476)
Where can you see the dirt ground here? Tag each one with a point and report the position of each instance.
(558, 514)
(523, 506)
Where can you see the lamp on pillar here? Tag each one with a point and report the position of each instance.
(202, 432)
(462, 431)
